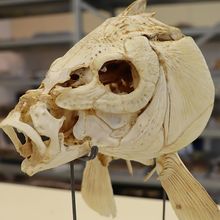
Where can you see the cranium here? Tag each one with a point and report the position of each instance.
(136, 88)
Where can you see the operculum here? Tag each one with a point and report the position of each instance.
(190, 90)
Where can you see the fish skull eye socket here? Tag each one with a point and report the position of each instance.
(119, 76)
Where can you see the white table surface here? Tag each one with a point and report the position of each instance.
(19, 202)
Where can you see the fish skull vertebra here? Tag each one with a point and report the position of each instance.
(135, 87)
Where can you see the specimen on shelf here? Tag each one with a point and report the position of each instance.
(138, 89)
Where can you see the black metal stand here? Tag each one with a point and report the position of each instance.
(91, 156)
(164, 205)
(72, 179)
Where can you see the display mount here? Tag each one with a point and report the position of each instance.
(91, 156)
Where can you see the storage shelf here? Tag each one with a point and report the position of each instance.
(216, 80)
(36, 41)
(211, 133)
(16, 8)
(196, 32)
(68, 38)
(117, 179)
(18, 83)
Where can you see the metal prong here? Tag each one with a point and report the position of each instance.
(164, 204)
(73, 189)
(92, 155)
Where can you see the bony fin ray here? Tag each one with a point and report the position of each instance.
(97, 189)
(188, 198)
(137, 7)
(130, 168)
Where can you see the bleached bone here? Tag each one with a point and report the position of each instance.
(193, 202)
(103, 202)
(148, 74)
(137, 88)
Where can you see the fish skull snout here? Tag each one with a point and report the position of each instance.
(42, 132)
(31, 126)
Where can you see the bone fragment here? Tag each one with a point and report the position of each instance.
(130, 168)
(150, 174)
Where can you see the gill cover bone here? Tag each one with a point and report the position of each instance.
(190, 91)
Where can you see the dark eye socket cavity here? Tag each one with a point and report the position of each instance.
(119, 76)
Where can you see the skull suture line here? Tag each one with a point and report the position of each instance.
(138, 89)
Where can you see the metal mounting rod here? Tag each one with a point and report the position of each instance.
(91, 156)
(73, 190)
(164, 205)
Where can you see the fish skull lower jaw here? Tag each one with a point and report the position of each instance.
(67, 154)
(38, 161)
(41, 155)
(53, 158)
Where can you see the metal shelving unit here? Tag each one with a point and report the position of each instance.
(203, 35)
(137, 180)
(199, 34)
(19, 83)
(36, 41)
(16, 8)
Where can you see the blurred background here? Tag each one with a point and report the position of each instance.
(35, 32)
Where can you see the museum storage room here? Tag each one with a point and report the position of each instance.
(110, 109)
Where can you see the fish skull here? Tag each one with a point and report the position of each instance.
(135, 87)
